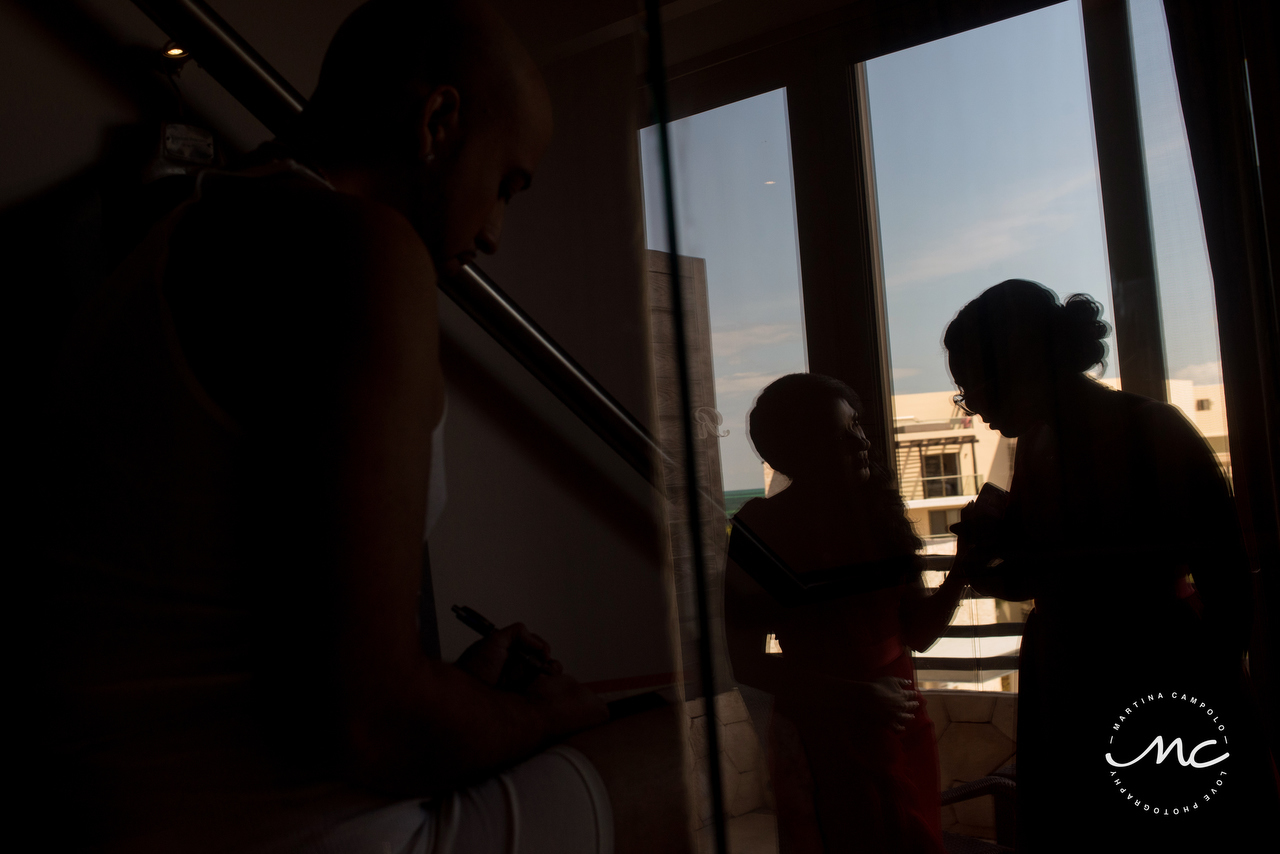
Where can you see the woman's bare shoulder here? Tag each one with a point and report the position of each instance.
(769, 518)
(1162, 422)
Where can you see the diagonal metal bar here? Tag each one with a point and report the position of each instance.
(508, 324)
(228, 58)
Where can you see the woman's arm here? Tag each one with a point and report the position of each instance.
(750, 614)
(987, 553)
(925, 616)
(1003, 581)
(1204, 530)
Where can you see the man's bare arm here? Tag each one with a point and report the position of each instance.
(327, 348)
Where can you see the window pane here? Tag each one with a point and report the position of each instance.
(985, 170)
(736, 212)
(1188, 313)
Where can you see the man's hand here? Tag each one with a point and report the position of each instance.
(566, 705)
(485, 658)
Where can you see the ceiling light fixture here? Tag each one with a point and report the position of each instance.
(173, 51)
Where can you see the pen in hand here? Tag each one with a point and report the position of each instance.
(473, 620)
(524, 662)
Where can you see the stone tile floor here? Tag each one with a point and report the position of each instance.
(753, 833)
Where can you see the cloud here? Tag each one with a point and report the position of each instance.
(749, 382)
(1027, 222)
(1205, 373)
(731, 342)
(903, 373)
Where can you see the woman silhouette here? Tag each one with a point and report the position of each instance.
(829, 566)
(1116, 504)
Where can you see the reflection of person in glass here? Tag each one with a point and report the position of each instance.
(252, 409)
(852, 753)
(1116, 503)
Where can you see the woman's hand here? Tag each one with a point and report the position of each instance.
(892, 701)
(889, 701)
(971, 560)
(980, 535)
(981, 522)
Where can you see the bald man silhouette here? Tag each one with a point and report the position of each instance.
(257, 393)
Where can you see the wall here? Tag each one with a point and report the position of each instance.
(582, 528)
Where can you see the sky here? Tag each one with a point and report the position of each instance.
(736, 208)
(1187, 310)
(985, 170)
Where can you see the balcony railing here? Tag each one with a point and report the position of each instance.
(975, 652)
(959, 423)
(977, 663)
(941, 486)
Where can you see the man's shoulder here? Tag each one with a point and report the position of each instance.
(285, 228)
(293, 261)
(304, 211)
(275, 281)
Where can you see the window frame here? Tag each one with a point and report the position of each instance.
(820, 63)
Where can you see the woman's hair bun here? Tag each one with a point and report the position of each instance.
(1018, 320)
(1080, 332)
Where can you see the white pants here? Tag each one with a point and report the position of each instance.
(555, 803)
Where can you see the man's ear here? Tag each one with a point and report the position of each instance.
(441, 128)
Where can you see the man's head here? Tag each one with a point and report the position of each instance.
(432, 107)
